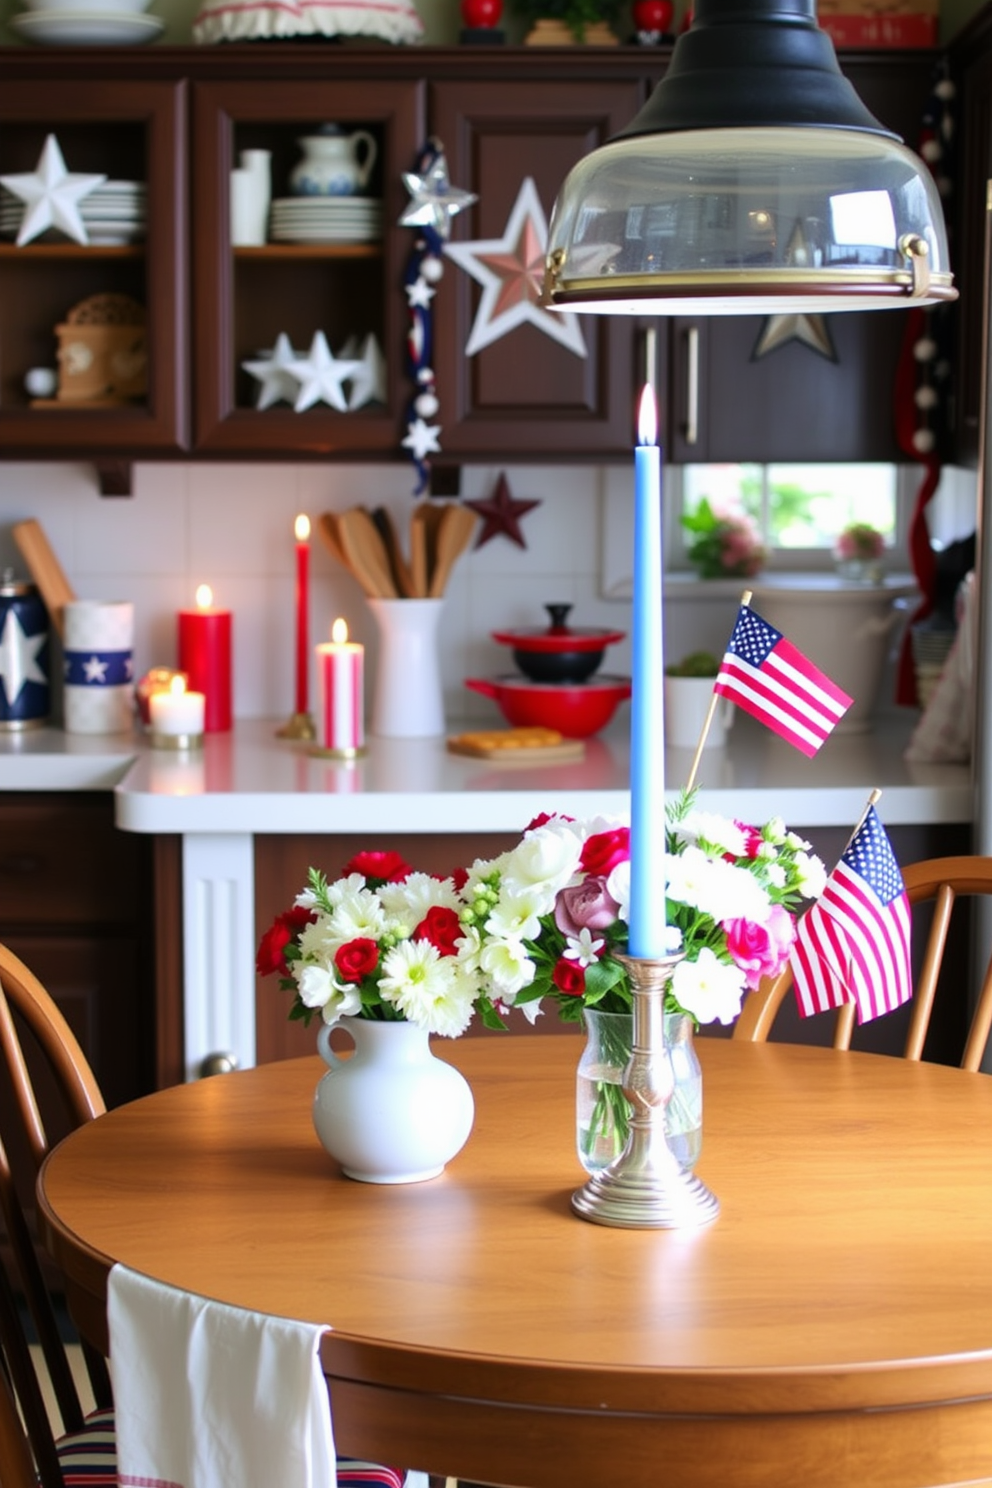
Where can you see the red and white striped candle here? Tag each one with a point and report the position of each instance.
(341, 684)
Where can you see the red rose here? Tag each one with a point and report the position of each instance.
(442, 928)
(459, 878)
(569, 978)
(543, 819)
(272, 947)
(602, 853)
(358, 959)
(388, 867)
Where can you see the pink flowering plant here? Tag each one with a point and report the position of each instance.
(549, 917)
(723, 543)
(382, 942)
(859, 542)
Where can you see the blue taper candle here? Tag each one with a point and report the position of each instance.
(647, 921)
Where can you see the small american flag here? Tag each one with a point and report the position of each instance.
(768, 676)
(853, 945)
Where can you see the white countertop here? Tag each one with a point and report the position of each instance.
(250, 781)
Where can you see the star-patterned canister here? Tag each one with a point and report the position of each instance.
(24, 689)
(99, 675)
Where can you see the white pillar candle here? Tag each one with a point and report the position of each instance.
(341, 681)
(177, 711)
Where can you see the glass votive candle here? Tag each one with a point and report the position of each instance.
(176, 717)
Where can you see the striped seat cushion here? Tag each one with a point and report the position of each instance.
(89, 1458)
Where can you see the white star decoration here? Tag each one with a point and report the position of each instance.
(18, 657)
(320, 375)
(435, 200)
(51, 195)
(271, 370)
(368, 382)
(95, 670)
(511, 272)
(419, 293)
(422, 440)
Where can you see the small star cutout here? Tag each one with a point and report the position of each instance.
(511, 272)
(368, 382)
(276, 383)
(810, 330)
(501, 514)
(19, 657)
(95, 670)
(435, 201)
(320, 376)
(422, 439)
(419, 294)
(51, 194)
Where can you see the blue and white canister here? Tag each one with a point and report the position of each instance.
(98, 638)
(24, 667)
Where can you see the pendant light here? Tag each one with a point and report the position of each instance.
(753, 181)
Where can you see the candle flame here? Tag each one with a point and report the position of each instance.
(204, 597)
(647, 417)
(178, 686)
(339, 631)
(302, 528)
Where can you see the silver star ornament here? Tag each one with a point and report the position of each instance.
(435, 201)
(51, 195)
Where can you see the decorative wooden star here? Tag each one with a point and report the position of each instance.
(501, 514)
(51, 194)
(810, 330)
(511, 272)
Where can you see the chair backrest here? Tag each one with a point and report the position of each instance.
(942, 881)
(34, 1065)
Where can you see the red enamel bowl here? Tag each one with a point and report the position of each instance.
(576, 711)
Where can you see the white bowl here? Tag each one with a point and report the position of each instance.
(105, 7)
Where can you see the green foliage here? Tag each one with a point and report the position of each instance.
(696, 664)
(577, 14)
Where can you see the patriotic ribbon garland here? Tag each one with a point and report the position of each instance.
(423, 271)
(924, 365)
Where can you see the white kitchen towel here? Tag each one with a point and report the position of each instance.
(207, 1395)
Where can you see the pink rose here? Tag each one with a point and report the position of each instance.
(585, 906)
(761, 950)
(602, 852)
(753, 839)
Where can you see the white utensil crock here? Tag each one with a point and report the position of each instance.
(407, 700)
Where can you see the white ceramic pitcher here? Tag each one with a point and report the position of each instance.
(334, 164)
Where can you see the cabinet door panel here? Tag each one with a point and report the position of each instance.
(245, 297)
(126, 131)
(526, 394)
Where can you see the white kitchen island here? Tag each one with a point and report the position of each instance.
(250, 783)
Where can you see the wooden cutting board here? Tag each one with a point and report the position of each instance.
(517, 746)
(45, 569)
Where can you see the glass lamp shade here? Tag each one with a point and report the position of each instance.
(753, 181)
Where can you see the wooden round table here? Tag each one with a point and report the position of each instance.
(832, 1327)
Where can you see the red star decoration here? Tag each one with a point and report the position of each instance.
(501, 514)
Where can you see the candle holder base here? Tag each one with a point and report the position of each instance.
(185, 742)
(645, 1187)
(348, 756)
(298, 726)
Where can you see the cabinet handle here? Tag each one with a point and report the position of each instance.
(692, 385)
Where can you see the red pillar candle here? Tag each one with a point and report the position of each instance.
(341, 683)
(205, 657)
(302, 530)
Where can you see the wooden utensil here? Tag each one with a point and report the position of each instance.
(399, 567)
(454, 533)
(365, 553)
(331, 533)
(418, 553)
(45, 569)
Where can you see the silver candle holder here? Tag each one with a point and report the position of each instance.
(645, 1187)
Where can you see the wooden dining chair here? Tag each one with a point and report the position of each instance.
(47, 1089)
(940, 882)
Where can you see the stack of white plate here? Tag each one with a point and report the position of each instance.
(113, 213)
(325, 219)
(87, 23)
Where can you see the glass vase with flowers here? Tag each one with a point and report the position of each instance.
(549, 919)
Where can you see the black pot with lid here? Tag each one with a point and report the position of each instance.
(558, 653)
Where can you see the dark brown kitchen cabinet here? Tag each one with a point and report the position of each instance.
(971, 63)
(245, 297)
(794, 403)
(526, 391)
(75, 906)
(128, 130)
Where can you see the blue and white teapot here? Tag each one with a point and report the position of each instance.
(334, 163)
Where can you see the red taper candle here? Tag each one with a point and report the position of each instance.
(302, 530)
(205, 657)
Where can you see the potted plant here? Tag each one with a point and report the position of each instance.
(688, 695)
(565, 22)
(723, 544)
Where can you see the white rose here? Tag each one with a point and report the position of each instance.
(708, 988)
